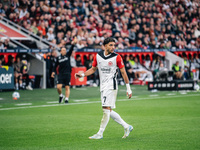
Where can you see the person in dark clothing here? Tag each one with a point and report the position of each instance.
(78, 61)
(10, 61)
(53, 58)
(24, 69)
(129, 69)
(48, 66)
(64, 76)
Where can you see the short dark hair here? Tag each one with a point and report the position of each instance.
(108, 40)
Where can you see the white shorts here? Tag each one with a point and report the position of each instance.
(108, 98)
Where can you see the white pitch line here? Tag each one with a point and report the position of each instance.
(134, 96)
(153, 95)
(183, 92)
(92, 102)
(23, 104)
(1, 99)
(52, 102)
(81, 100)
(171, 94)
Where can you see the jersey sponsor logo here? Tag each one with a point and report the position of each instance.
(110, 63)
(64, 59)
(105, 70)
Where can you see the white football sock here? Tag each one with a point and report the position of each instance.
(197, 74)
(61, 95)
(20, 85)
(66, 98)
(17, 86)
(116, 117)
(104, 121)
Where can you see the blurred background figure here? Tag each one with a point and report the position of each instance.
(177, 71)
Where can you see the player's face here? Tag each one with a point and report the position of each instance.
(110, 47)
(63, 51)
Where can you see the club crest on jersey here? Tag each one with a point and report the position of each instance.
(110, 63)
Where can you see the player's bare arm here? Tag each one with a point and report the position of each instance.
(87, 73)
(125, 77)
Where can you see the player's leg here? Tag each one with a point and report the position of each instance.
(116, 117)
(197, 73)
(59, 90)
(106, 105)
(67, 87)
(104, 121)
(127, 128)
(16, 81)
(67, 93)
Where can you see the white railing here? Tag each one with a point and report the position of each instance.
(37, 38)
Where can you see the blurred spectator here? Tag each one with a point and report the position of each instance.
(50, 34)
(162, 73)
(24, 70)
(194, 70)
(53, 57)
(163, 21)
(47, 59)
(186, 68)
(191, 45)
(128, 68)
(73, 60)
(147, 63)
(197, 65)
(1, 44)
(2, 60)
(155, 65)
(78, 61)
(7, 44)
(11, 61)
(177, 70)
(17, 73)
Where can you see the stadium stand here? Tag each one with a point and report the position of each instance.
(144, 24)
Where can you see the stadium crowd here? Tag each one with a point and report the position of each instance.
(134, 23)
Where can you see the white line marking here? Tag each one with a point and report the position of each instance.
(81, 100)
(171, 94)
(153, 95)
(1, 99)
(53, 102)
(92, 102)
(134, 96)
(183, 92)
(23, 104)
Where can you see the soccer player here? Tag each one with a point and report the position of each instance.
(107, 63)
(64, 76)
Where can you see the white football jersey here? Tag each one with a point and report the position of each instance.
(107, 66)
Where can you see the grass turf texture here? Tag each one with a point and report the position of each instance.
(161, 120)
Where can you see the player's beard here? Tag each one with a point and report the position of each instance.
(110, 51)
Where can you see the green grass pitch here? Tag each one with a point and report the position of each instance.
(161, 120)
